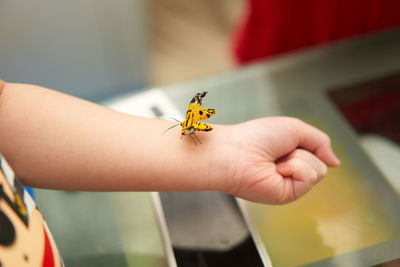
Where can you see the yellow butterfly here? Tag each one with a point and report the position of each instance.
(194, 115)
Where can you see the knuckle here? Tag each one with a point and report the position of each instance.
(324, 171)
(314, 176)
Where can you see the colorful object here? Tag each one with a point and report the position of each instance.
(25, 239)
(194, 115)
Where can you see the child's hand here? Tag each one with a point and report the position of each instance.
(275, 160)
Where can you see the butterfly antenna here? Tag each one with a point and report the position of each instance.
(174, 119)
(171, 128)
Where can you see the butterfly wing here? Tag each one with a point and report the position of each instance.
(193, 110)
(203, 114)
(195, 114)
(201, 126)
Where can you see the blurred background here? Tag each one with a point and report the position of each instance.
(97, 49)
(191, 39)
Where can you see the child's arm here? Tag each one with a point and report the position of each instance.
(53, 140)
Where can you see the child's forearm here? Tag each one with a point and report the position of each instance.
(53, 140)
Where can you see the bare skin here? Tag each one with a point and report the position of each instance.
(57, 141)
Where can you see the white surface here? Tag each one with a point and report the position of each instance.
(386, 156)
(141, 105)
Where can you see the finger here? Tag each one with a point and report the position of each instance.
(299, 177)
(303, 158)
(317, 142)
(298, 169)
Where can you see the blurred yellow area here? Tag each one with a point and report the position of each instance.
(341, 214)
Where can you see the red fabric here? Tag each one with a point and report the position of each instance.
(273, 27)
(48, 255)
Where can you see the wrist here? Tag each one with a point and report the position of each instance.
(223, 158)
(205, 166)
